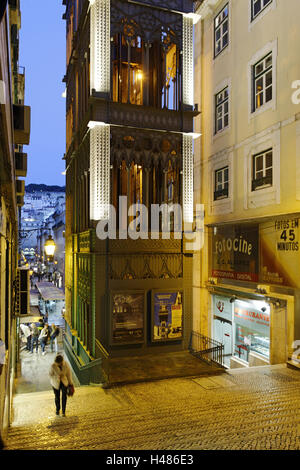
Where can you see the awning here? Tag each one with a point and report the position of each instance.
(29, 319)
(49, 292)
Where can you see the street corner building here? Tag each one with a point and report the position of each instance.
(129, 112)
(246, 279)
(14, 134)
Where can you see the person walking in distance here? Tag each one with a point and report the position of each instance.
(60, 379)
(27, 333)
(43, 338)
(53, 337)
(35, 337)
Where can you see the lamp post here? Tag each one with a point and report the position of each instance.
(49, 248)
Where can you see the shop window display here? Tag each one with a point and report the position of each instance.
(252, 329)
(242, 326)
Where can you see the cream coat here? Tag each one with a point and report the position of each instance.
(57, 375)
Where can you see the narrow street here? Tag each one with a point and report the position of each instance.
(255, 409)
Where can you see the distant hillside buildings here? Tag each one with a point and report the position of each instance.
(43, 214)
(40, 203)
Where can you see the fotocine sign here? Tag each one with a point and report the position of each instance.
(164, 219)
(235, 252)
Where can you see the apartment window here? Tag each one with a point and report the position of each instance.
(262, 170)
(221, 183)
(221, 110)
(221, 30)
(262, 82)
(257, 6)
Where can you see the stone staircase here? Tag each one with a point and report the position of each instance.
(242, 409)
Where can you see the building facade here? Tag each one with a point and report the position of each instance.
(129, 117)
(14, 133)
(246, 285)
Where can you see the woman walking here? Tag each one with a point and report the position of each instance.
(60, 378)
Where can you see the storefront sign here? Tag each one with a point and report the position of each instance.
(280, 252)
(128, 318)
(235, 252)
(167, 316)
(252, 318)
(222, 307)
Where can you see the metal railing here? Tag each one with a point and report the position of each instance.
(207, 349)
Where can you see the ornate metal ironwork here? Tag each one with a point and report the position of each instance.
(146, 148)
(134, 20)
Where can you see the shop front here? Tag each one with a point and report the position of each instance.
(243, 327)
(254, 319)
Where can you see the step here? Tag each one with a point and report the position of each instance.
(293, 364)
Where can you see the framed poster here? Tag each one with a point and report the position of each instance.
(127, 317)
(167, 315)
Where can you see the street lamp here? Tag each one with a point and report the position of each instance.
(50, 248)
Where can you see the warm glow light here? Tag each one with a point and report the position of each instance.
(194, 135)
(139, 76)
(93, 124)
(194, 16)
(50, 247)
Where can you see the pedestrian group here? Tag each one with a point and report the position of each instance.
(39, 334)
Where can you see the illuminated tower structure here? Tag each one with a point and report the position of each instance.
(129, 112)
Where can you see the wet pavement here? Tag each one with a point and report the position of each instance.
(253, 409)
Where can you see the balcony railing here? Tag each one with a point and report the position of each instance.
(221, 194)
(267, 180)
(207, 349)
(21, 164)
(21, 124)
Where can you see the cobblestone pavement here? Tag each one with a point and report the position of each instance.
(241, 410)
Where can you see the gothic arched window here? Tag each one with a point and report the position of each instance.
(143, 72)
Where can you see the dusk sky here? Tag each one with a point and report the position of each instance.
(42, 53)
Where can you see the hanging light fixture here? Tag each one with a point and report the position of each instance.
(50, 247)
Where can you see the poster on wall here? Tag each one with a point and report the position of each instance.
(235, 252)
(280, 252)
(128, 312)
(167, 316)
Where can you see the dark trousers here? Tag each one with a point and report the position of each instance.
(28, 346)
(43, 343)
(35, 340)
(63, 390)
